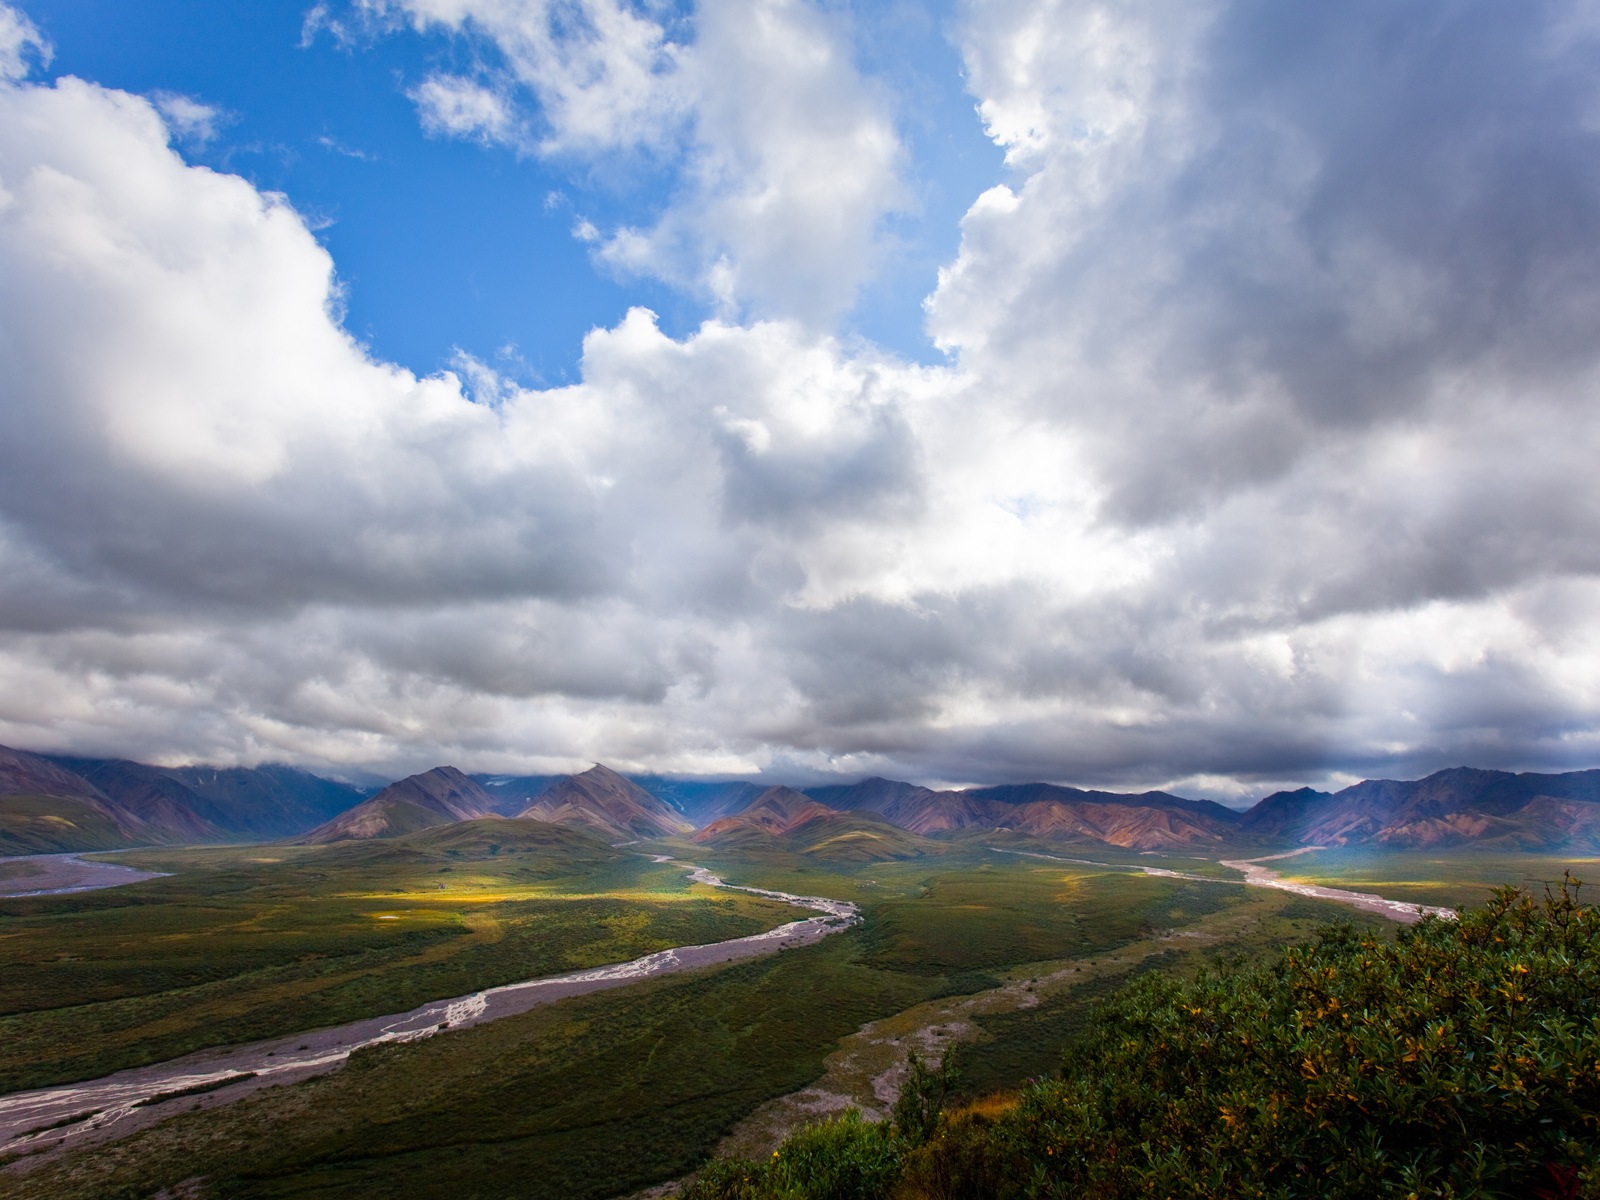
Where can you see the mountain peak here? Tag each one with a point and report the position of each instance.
(437, 797)
(603, 799)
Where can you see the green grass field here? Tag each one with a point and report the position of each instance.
(246, 943)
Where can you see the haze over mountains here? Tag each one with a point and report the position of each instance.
(63, 803)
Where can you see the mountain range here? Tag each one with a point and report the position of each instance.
(599, 800)
(1452, 807)
(55, 803)
(1455, 807)
(58, 803)
(1142, 821)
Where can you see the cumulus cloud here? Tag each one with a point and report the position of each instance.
(794, 165)
(197, 455)
(1234, 248)
(20, 42)
(603, 72)
(786, 156)
(1263, 453)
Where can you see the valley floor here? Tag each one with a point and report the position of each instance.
(100, 1110)
(602, 1094)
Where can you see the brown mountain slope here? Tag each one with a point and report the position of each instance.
(927, 813)
(776, 811)
(1130, 827)
(605, 801)
(437, 797)
(170, 812)
(782, 820)
(1143, 821)
(46, 808)
(24, 774)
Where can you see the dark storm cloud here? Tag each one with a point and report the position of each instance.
(1328, 218)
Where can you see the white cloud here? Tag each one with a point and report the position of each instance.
(603, 73)
(20, 41)
(190, 120)
(455, 107)
(788, 159)
(794, 163)
(1265, 450)
(243, 476)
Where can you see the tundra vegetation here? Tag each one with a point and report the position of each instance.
(1459, 1059)
(245, 943)
(598, 1095)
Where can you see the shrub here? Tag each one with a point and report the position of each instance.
(729, 1179)
(963, 1160)
(1461, 1059)
(922, 1096)
(845, 1158)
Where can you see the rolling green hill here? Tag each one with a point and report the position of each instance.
(857, 838)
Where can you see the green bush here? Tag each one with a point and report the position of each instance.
(963, 1160)
(1461, 1059)
(922, 1096)
(845, 1158)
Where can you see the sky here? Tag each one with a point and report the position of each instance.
(1126, 394)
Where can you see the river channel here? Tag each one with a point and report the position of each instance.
(1255, 875)
(131, 1099)
(61, 874)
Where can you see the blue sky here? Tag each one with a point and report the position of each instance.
(442, 244)
(1128, 393)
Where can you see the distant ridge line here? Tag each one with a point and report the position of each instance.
(117, 802)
